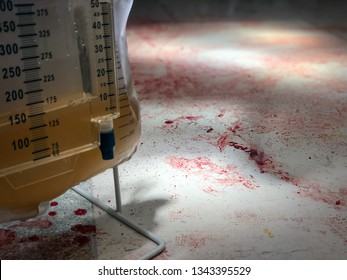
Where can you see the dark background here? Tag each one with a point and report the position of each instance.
(317, 11)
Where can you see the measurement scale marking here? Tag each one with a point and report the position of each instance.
(106, 24)
(31, 69)
(47, 156)
(124, 125)
(26, 24)
(28, 47)
(38, 126)
(38, 134)
(32, 81)
(39, 139)
(24, 5)
(39, 145)
(123, 116)
(122, 138)
(34, 103)
(27, 35)
(40, 151)
(33, 91)
(36, 115)
(32, 75)
(30, 57)
(24, 13)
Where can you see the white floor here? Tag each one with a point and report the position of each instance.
(243, 150)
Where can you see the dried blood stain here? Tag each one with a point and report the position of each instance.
(67, 245)
(338, 225)
(52, 213)
(80, 212)
(209, 171)
(81, 240)
(84, 228)
(7, 236)
(192, 241)
(170, 124)
(266, 164)
(32, 238)
(210, 190)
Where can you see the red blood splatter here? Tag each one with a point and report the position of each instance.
(317, 193)
(338, 225)
(210, 190)
(6, 236)
(52, 213)
(81, 240)
(192, 240)
(234, 129)
(203, 167)
(80, 212)
(193, 118)
(84, 228)
(239, 147)
(223, 141)
(33, 238)
(57, 246)
(38, 223)
(220, 115)
(257, 156)
(54, 203)
(267, 165)
(169, 123)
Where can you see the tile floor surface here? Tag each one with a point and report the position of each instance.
(242, 154)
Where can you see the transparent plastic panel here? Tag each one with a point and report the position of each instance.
(59, 79)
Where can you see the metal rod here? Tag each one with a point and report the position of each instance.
(119, 216)
(117, 189)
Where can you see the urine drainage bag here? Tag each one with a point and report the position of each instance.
(68, 106)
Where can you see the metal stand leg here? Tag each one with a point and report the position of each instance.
(117, 214)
